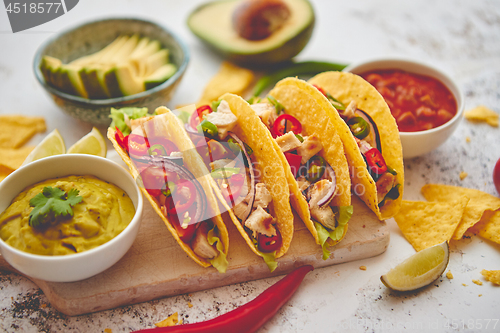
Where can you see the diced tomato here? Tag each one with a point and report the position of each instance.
(137, 145)
(197, 117)
(233, 189)
(294, 162)
(185, 234)
(496, 176)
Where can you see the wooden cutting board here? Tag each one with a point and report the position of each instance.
(156, 267)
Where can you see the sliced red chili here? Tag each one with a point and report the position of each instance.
(375, 161)
(121, 139)
(178, 203)
(268, 244)
(320, 89)
(294, 162)
(138, 145)
(153, 178)
(286, 123)
(197, 116)
(234, 186)
(186, 231)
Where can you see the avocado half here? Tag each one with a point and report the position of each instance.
(212, 23)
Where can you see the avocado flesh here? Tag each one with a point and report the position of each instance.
(122, 81)
(161, 75)
(49, 66)
(212, 23)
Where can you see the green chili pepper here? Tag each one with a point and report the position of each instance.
(224, 173)
(294, 69)
(298, 136)
(215, 105)
(168, 188)
(335, 102)
(315, 168)
(277, 105)
(208, 129)
(359, 127)
(391, 171)
(156, 150)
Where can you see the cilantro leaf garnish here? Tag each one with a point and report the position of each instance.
(51, 204)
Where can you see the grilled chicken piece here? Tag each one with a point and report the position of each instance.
(240, 209)
(323, 215)
(384, 185)
(303, 183)
(288, 142)
(264, 111)
(262, 196)
(201, 246)
(261, 221)
(310, 147)
(224, 119)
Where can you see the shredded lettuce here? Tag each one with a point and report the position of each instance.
(344, 215)
(220, 262)
(269, 258)
(118, 117)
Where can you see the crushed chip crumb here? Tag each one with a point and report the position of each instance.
(108, 330)
(492, 276)
(171, 320)
(467, 139)
(463, 284)
(190, 305)
(479, 283)
(449, 275)
(482, 114)
(363, 268)
(479, 295)
(463, 174)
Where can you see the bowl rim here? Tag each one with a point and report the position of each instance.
(116, 100)
(51, 258)
(448, 82)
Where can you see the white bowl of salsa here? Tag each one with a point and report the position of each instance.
(81, 244)
(425, 101)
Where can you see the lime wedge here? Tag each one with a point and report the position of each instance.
(92, 144)
(52, 144)
(420, 270)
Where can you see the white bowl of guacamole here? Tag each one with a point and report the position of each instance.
(68, 217)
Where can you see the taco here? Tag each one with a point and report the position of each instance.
(370, 137)
(250, 179)
(313, 158)
(174, 179)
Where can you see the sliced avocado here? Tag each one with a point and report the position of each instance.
(212, 23)
(138, 56)
(70, 81)
(161, 75)
(155, 61)
(122, 81)
(48, 67)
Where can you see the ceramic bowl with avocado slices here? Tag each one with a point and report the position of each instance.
(108, 63)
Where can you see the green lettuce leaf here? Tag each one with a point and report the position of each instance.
(344, 215)
(269, 258)
(220, 262)
(118, 117)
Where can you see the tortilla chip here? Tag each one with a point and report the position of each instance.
(173, 131)
(492, 276)
(16, 130)
(229, 79)
(425, 224)
(4, 172)
(489, 227)
(482, 114)
(300, 101)
(252, 131)
(14, 158)
(347, 87)
(479, 203)
(171, 320)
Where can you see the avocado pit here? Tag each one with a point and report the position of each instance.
(258, 19)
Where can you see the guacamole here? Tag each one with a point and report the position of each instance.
(104, 212)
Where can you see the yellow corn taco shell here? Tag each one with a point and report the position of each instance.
(296, 98)
(346, 87)
(168, 123)
(254, 133)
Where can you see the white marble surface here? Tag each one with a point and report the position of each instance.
(461, 37)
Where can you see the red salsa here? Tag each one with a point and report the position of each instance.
(417, 102)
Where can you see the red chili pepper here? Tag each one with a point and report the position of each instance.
(268, 244)
(294, 162)
(286, 123)
(233, 189)
(121, 139)
(138, 145)
(185, 234)
(320, 89)
(250, 317)
(197, 117)
(153, 179)
(168, 145)
(375, 161)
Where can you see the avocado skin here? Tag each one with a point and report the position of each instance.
(281, 53)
